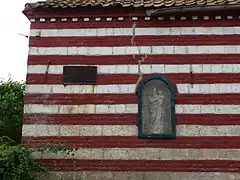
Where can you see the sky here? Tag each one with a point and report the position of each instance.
(13, 47)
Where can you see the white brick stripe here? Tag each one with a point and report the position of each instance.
(144, 154)
(122, 130)
(138, 31)
(153, 68)
(127, 108)
(131, 175)
(130, 88)
(131, 50)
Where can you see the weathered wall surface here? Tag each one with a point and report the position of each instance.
(199, 56)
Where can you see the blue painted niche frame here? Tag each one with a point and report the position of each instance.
(172, 111)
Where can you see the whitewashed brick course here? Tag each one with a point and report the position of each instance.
(130, 88)
(138, 31)
(132, 50)
(106, 175)
(144, 154)
(130, 108)
(124, 130)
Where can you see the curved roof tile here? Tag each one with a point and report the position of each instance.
(127, 3)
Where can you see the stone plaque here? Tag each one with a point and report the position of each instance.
(156, 108)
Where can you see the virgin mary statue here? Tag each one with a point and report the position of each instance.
(156, 111)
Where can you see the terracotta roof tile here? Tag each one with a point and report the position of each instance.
(133, 3)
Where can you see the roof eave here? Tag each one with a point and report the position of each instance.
(193, 8)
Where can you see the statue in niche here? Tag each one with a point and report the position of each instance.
(156, 111)
(156, 108)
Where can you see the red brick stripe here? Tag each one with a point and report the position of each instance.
(105, 79)
(129, 59)
(213, 142)
(142, 165)
(109, 41)
(127, 119)
(75, 99)
(128, 24)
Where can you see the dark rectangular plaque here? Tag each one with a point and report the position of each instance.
(79, 75)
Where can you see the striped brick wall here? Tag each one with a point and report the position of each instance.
(200, 58)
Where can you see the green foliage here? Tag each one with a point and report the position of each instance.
(16, 162)
(55, 150)
(11, 109)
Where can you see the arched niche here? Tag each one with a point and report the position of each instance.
(156, 108)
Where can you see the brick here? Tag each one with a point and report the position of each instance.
(170, 69)
(91, 32)
(202, 50)
(109, 32)
(132, 69)
(144, 31)
(119, 50)
(228, 30)
(187, 30)
(69, 130)
(216, 68)
(163, 31)
(230, 49)
(112, 109)
(217, 30)
(101, 109)
(146, 69)
(120, 108)
(183, 88)
(183, 68)
(128, 31)
(107, 69)
(194, 88)
(123, 69)
(157, 49)
(174, 31)
(192, 50)
(210, 109)
(181, 50)
(117, 31)
(204, 88)
(82, 51)
(206, 68)
(168, 49)
(214, 88)
(236, 68)
(146, 50)
(158, 68)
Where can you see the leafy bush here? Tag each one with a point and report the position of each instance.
(16, 163)
(15, 160)
(11, 109)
